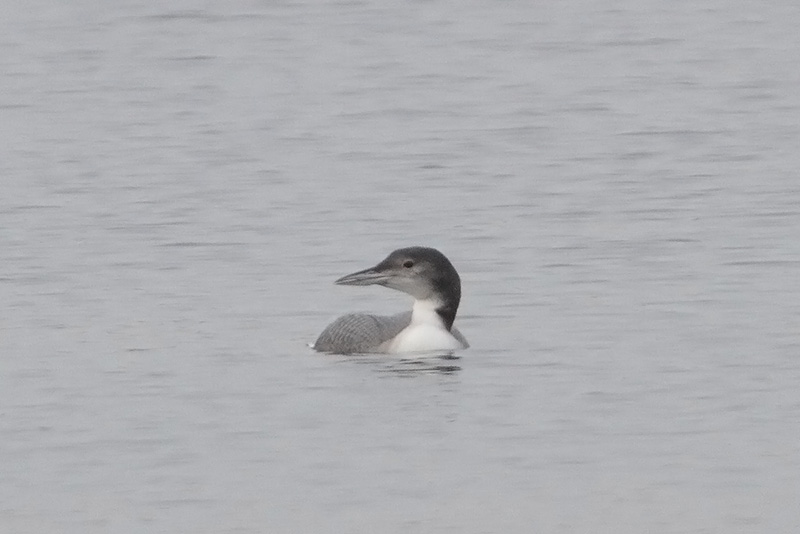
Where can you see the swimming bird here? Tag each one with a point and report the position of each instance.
(424, 273)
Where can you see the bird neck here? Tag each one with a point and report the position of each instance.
(435, 312)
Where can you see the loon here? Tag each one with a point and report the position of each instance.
(425, 274)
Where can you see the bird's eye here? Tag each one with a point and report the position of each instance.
(408, 264)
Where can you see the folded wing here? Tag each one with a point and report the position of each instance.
(361, 332)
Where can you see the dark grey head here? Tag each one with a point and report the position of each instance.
(424, 273)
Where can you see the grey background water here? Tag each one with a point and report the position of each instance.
(181, 182)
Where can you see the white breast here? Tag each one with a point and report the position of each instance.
(425, 333)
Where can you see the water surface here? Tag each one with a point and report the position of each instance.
(616, 182)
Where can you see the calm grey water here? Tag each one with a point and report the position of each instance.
(616, 181)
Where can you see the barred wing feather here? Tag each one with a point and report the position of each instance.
(360, 332)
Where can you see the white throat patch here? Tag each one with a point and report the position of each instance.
(425, 333)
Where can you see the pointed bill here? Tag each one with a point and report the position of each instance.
(367, 277)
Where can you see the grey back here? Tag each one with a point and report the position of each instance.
(360, 332)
